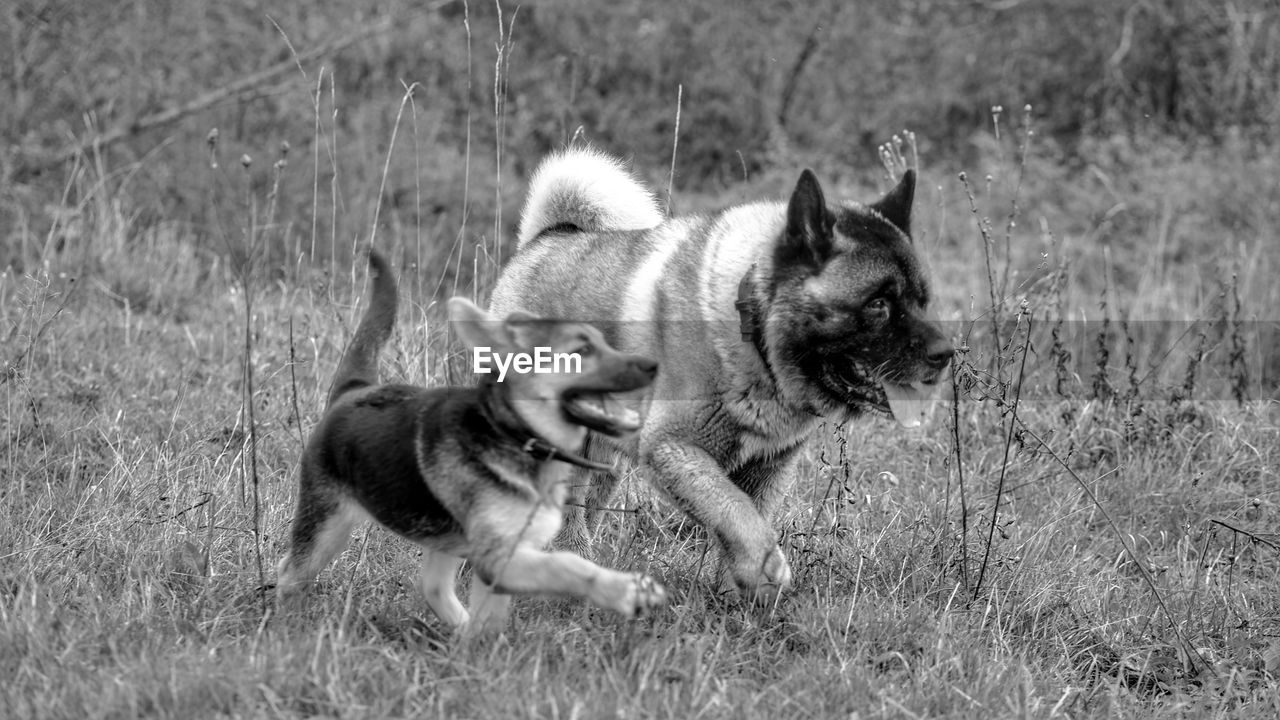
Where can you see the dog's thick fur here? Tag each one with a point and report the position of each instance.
(767, 318)
(475, 473)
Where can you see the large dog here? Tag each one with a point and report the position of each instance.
(766, 317)
(477, 473)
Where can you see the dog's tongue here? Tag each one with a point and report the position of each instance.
(910, 404)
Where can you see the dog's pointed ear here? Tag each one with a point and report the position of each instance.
(476, 327)
(524, 330)
(895, 206)
(809, 224)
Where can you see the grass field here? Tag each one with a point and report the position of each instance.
(146, 479)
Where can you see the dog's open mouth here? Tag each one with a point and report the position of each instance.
(602, 412)
(910, 404)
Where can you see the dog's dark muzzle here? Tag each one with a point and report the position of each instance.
(937, 349)
(928, 352)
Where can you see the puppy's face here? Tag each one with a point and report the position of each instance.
(595, 374)
(849, 304)
(573, 366)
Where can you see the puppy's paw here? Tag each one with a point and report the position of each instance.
(632, 595)
(648, 596)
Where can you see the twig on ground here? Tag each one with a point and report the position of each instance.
(1004, 463)
(1252, 536)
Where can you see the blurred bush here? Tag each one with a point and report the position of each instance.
(763, 86)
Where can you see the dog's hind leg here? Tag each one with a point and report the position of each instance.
(321, 529)
(437, 583)
(489, 608)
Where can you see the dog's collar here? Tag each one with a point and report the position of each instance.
(750, 320)
(544, 450)
(530, 442)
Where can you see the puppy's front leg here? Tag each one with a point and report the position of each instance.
(507, 535)
(702, 488)
(515, 563)
(527, 570)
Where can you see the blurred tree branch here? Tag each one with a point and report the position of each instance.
(793, 76)
(246, 87)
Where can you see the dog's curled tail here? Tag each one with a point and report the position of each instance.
(585, 190)
(359, 365)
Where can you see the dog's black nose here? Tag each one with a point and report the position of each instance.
(938, 352)
(647, 366)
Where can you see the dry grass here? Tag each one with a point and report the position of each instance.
(129, 535)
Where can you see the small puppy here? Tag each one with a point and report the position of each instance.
(469, 473)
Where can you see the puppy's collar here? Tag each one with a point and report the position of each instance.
(544, 450)
(530, 442)
(750, 321)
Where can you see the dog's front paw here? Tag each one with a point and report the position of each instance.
(777, 574)
(633, 595)
(649, 595)
(763, 580)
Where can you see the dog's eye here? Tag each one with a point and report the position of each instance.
(877, 308)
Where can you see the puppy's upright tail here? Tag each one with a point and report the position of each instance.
(582, 189)
(359, 365)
